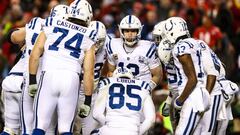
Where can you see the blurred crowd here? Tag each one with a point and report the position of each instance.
(217, 22)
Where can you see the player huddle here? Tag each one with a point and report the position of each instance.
(72, 77)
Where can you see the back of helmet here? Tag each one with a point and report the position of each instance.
(175, 29)
(80, 10)
(99, 33)
(59, 11)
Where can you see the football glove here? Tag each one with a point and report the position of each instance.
(177, 104)
(84, 111)
(226, 97)
(32, 90)
(166, 109)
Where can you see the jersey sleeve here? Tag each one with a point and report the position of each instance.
(210, 65)
(149, 115)
(153, 60)
(110, 55)
(100, 105)
(88, 42)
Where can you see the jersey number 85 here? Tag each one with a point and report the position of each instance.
(117, 92)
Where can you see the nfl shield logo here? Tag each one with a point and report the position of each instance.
(141, 59)
(115, 56)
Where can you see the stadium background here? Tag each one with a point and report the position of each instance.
(217, 22)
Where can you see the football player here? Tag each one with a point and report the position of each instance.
(12, 87)
(88, 123)
(193, 99)
(131, 52)
(120, 103)
(65, 46)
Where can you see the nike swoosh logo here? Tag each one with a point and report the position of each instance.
(232, 87)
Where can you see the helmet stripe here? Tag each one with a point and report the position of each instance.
(130, 19)
(77, 3)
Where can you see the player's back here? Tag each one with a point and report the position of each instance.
(190, 47)
(125, 102)
(65, 45)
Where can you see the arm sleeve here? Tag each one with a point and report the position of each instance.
(149, 114)
(153, 61)
(100, 105)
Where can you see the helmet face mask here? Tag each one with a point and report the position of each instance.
(165, 51)
(59, 11)
(175, 28)
(123, 72)
(130, 24)
(81, 10)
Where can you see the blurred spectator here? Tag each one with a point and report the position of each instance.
(235, 9)
(209, 33)
(151, 20)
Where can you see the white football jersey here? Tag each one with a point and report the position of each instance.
(33, 29)
(123, 102)
(188, 46)
(140, 61)
(100, 58)
(212, 65)
(171, 76)
(66, 42)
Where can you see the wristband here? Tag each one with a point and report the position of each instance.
(88, 100)
(32, 79)
(178, 103)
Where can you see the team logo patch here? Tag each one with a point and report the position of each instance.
(142, 59)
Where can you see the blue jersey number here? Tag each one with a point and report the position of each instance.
(133, 67)
(171, 74)
(97, 69)
(216, 61)
(119, 96)
(75, 48)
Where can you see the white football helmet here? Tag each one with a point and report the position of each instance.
(122, 72)
(165, 51)
(158, 33)
(82, 10)
(130, 22)
(175, 27)
(99, 31)
(60, 11)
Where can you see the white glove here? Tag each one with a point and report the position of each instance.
(166, 109)
(226, 97)
(84, 111)
(32, 90)
(177, 104)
